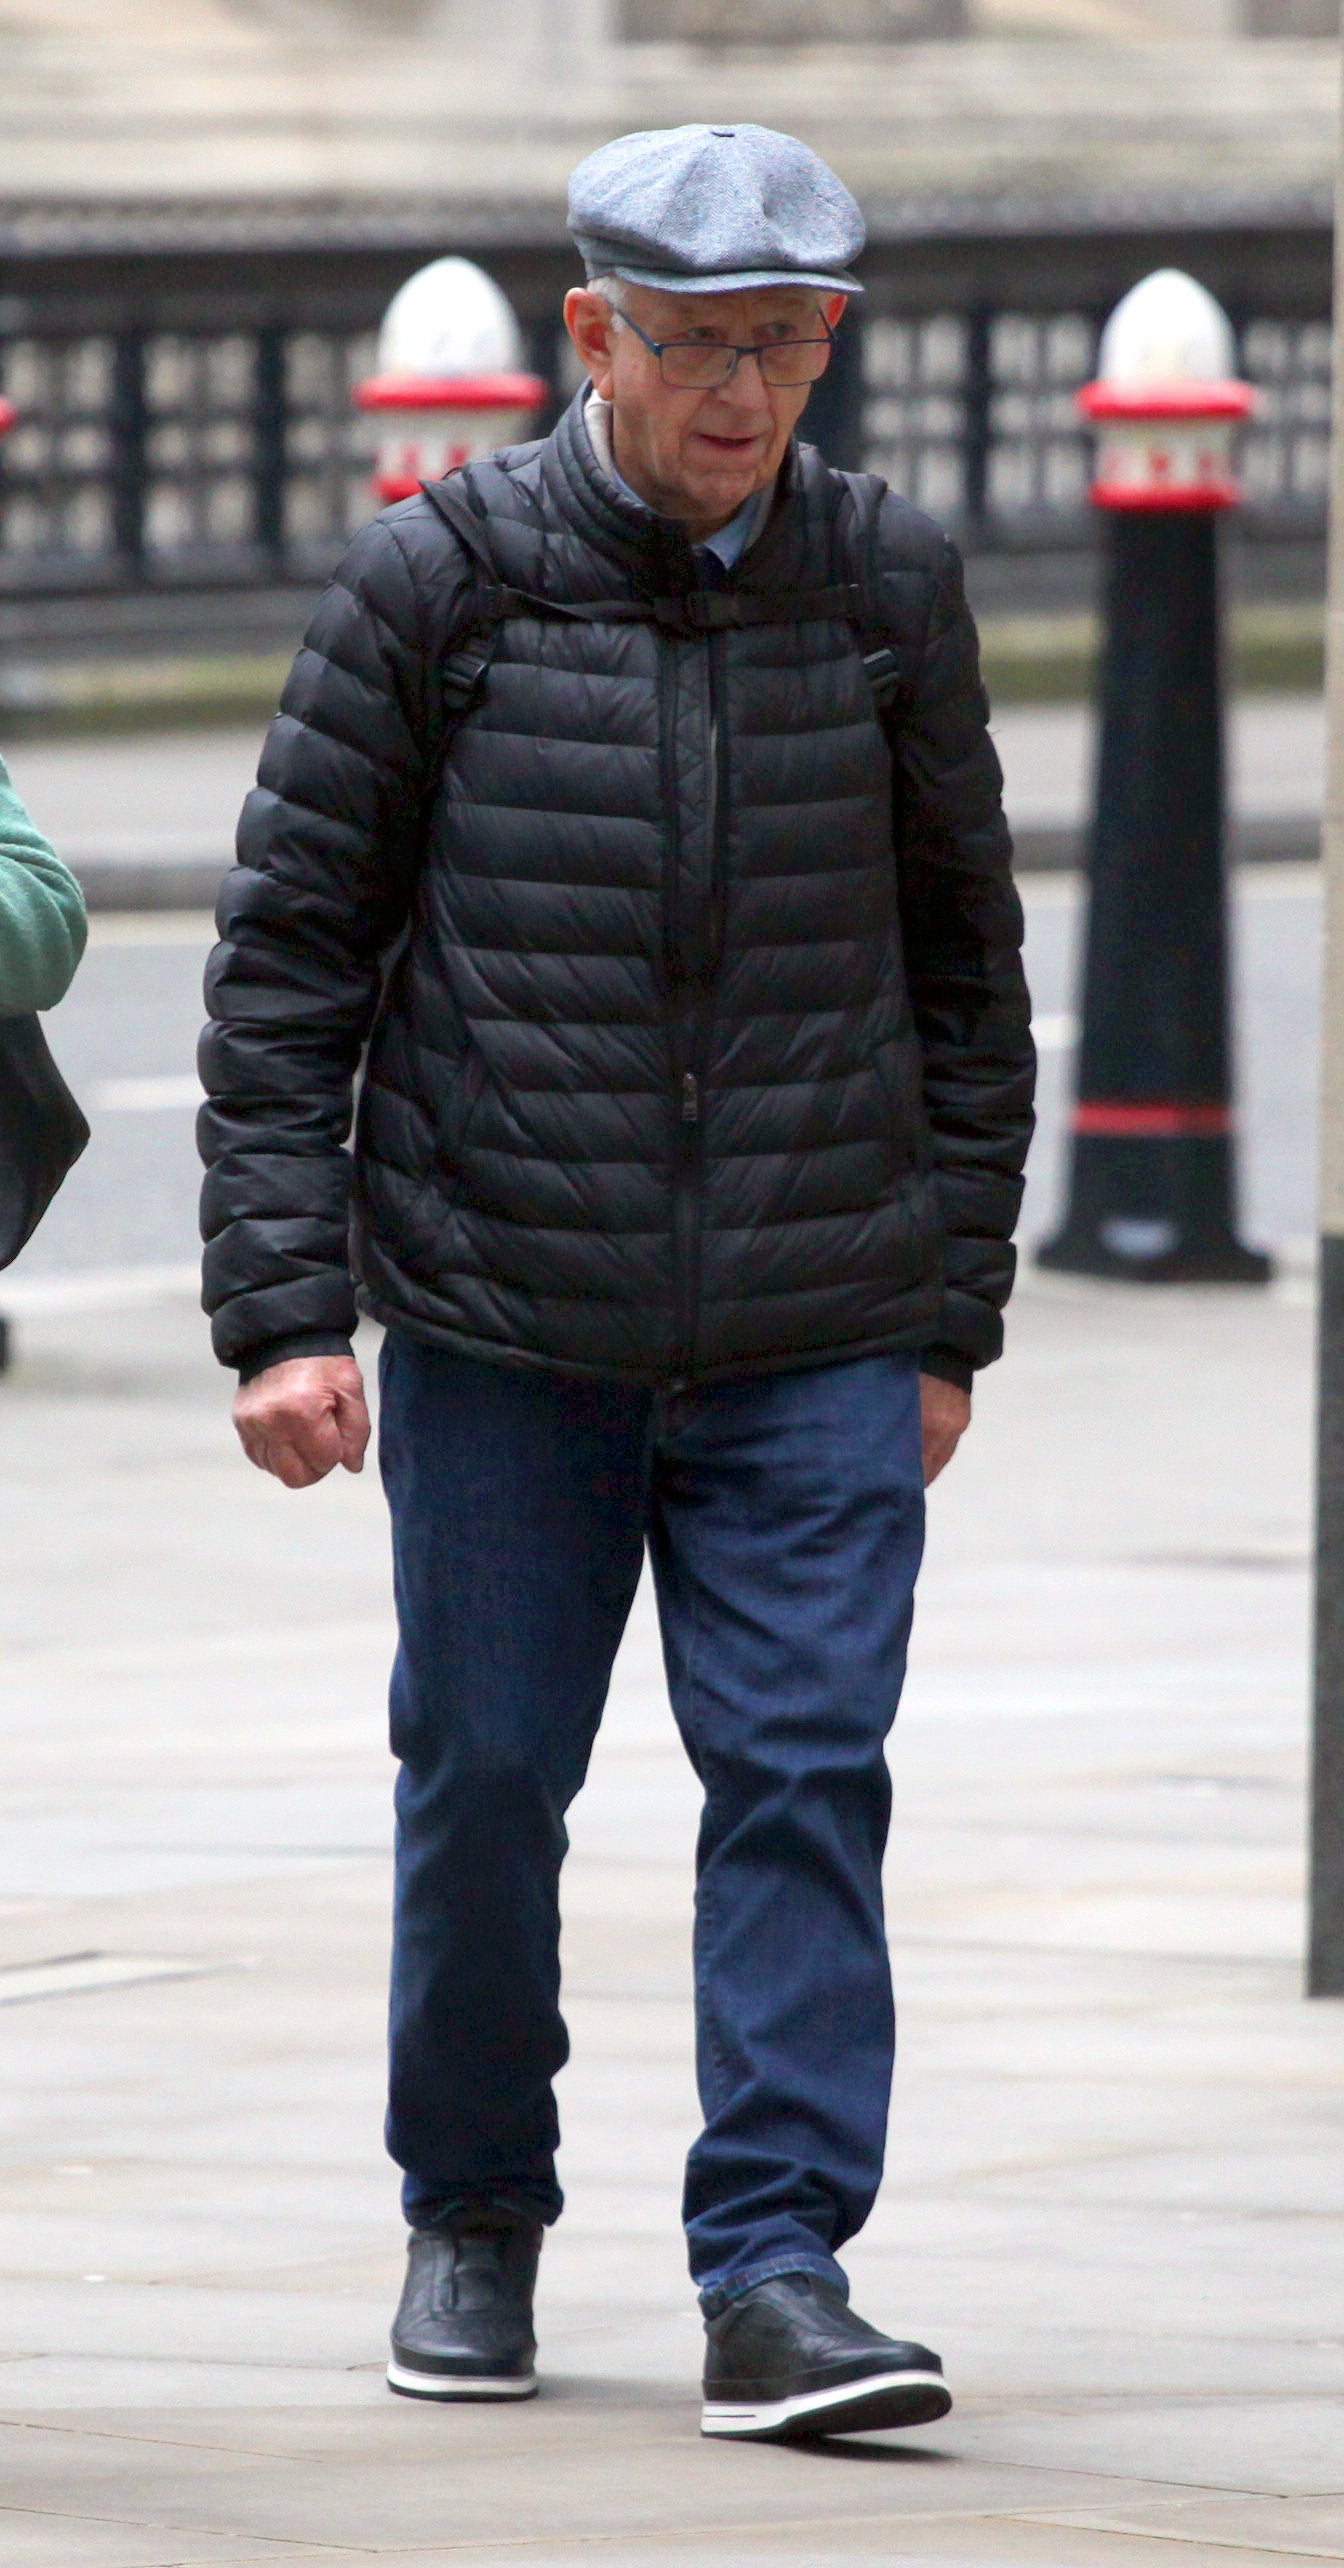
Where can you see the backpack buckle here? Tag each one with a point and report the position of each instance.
(699, 611)
(884, 676)
(714, 610)
(460, 681)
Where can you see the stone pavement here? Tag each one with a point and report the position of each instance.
(1115, 2178)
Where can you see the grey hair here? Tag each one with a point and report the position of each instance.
(613, 290)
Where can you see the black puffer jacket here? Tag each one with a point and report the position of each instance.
(707, 1050)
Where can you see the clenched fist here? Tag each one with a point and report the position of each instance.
(300, 1418)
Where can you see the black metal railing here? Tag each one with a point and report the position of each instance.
(198, 438)
(147, 457)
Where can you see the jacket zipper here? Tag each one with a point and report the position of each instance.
(690, 1137)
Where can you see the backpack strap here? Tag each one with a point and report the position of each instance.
(690, 615)
(862, 511)
(463, 673)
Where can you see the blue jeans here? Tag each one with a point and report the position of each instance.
(784, 1517)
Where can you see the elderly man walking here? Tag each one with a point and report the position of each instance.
(632, 801)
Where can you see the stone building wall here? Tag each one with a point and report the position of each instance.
(753, 22)
(1290, 17)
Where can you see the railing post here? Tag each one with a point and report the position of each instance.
(8, 414)
(129, 476)
(270, 438)
(834, 416)
(546, 340)
(977, 422)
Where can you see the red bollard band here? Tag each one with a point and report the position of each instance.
(1166, 445)
(1151, 1122)
(450, 392)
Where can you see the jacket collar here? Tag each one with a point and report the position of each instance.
(655, 551)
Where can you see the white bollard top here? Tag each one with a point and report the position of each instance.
(450, 319)
(1167, 331)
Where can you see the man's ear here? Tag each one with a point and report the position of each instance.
(833, 310)
(591, 325)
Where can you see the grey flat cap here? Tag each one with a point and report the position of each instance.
(705, 209)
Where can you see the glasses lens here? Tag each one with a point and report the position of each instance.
(788, 361)
(693, 365)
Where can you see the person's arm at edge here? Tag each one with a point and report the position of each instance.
(43, 923)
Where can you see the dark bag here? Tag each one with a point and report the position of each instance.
(42, 1131)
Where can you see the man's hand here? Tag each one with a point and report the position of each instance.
(946, 1413)
(301, 1418)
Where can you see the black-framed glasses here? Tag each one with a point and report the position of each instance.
(700, 365)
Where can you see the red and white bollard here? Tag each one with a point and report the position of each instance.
(450, 385)
(1166, 402)
(1152, 1192)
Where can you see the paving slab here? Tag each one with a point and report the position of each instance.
(607, 2471)
(1114, 2188)
(1295, 2527)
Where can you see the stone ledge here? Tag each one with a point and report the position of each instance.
(755, 22)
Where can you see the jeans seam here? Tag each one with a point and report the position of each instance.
(707, 1907)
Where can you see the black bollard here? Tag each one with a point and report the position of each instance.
(1152, 1188)
(1152, 1193)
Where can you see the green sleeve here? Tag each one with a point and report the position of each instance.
(42, 920)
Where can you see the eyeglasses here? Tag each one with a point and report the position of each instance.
(700, 365)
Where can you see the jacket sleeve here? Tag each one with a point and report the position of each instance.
(962, 927)
(327, 847)
(42, 922)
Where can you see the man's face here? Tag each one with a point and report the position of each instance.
(697, 455)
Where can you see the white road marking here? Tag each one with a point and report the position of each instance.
(153, 927)
(146, 1096)
(79, 1974)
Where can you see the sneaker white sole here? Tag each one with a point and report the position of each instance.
(854, 2407)
(458, 2385)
